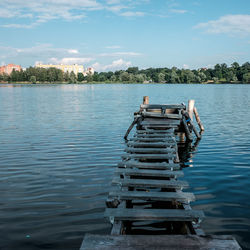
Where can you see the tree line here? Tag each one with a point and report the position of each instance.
(221, 73)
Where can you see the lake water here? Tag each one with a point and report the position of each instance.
(60, 145)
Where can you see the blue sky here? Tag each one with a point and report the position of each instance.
(117, 34)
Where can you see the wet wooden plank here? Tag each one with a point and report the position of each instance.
(155, 131)
(160, 242)
(167, 140)
(162, 116)
(151, 144)
(153, 214)
(160, 121)
(150, 150)
(161, 136)
(147, 183)
(146, 172)
(162, 106)
(149, 156)
(149, 165)
(153, 196)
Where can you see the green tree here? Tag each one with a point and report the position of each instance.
(72, 77)
(33, 79)
(246, 78)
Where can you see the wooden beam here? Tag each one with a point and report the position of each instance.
(148, 165)
(154, 214)
(150, 183)
(153, 196)
(166, 242)
(151, 144)
(146, 172)
(163, 106)
(145, 100)
(149, 156)
(150, 150)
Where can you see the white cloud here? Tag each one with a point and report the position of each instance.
(178, 11)
(113, 47)
(115, 65)
(229, 24)
(114, 54)
(70, 60)
(73, 51)
(133, 14)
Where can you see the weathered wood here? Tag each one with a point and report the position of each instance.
(151, 144)
(162, 106)
(150, 183)
(155, 131)
(197, 117)
(150, 150)
(160, 115)
(150, 156)
(160, 121)
(169, 139)
(187, 132)
(156, 173)
(160, 242)
(154, 214)
(160, 136)
(131, 126)
(147, 165)
(145, 100)
(191, 108)
(153, 196)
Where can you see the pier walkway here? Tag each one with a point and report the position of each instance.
(148, 205)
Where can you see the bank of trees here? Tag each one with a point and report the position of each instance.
(221, 73)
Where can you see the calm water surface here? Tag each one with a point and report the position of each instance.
(60, 145)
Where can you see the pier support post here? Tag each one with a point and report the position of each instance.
(145, 100)
(191, 108)
(197, 117)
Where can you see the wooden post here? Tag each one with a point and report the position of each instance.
(145, 100)
(197, 117)
(191, 108)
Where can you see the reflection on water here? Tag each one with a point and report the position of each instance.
(60, 145)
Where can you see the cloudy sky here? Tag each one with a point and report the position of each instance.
(116, 34)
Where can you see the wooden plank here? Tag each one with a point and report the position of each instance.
(162, 106)
(153, 196)
(148, 165)
(150, 150)
(153, 214)
(154, 131)
(161, 136)
(150, 183)
(162, 116)
(146, 172)
(149, 156)
(172, 139)
(151, 144)
(160, 121)
(160, 242)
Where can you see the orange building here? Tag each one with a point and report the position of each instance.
(9, 68)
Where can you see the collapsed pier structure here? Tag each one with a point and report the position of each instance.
(148, 206)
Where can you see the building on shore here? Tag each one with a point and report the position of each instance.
(67, 68)
(7, 69)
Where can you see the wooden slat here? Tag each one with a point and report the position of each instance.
(151, 144)
(153, 196)
(161, 136)
(160, 121)
(148, 165)
(150, 183)
(170, 139)
(153, 214)
(150, 150)
(160, 242)
(141, 172)
(149, 156)
(162, 106)
(155, 131)
(163, 116)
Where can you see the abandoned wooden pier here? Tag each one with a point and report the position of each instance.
(148, 206)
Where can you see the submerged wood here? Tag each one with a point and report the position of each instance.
(197, 117)
(150, 150)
